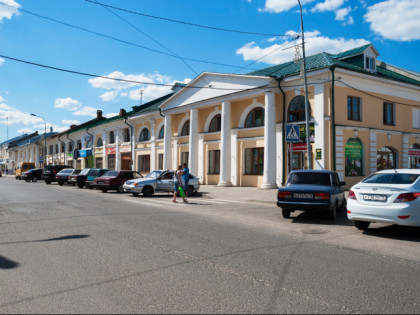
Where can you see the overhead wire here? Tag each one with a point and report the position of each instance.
(188, 23)
(120, 40)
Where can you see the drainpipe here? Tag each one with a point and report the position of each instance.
(160, 113)
(65, 160)
(67, 135)
(284, 130)
(332, 68)
(131, 142)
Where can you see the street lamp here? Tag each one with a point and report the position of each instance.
(45, 139)
(307, 106)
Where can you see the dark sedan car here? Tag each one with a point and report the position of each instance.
(311, 190)
(114, 180)
(32, 175)
(80, 179)
(49, 174)
(64, 175)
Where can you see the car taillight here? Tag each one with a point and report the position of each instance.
(68, 177)
(407, 197)
(285, 195)
(322, 196)
(54, 171)
(352, 195)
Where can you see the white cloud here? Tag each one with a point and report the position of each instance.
(328, 5)
(395, 19)
(2, 99)
(86, 111)
(115, 89)
(315, 43)
(111, 115)
(6, 12)
(67, 103)
(1, 61)
(277, 6)
(25, 130)
(70, 122)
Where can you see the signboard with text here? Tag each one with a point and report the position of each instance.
(111, 151)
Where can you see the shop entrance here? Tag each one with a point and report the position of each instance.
(125, 161)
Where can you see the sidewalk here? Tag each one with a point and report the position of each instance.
(244, 194)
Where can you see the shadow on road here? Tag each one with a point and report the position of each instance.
(6, 263)
(61, 238)
(306, 217)
(396, 232)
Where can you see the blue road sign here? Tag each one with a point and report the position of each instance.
(292, 133)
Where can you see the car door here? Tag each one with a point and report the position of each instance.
(338, 190)
(165, 182)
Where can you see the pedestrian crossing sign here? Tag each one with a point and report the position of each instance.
(292, 133)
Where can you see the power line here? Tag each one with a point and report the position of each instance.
(119, 40)
(123, 80)
(187, 23)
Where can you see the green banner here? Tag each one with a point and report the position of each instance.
(302, 132)
(354, 157)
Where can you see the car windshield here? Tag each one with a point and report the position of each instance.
(309, 178)
(111, 173)
(137, 175)
(76, 172)
(154, 174)
(47, 168)
(94, 173)
(85, 171)
(66, 171)
(391, 178)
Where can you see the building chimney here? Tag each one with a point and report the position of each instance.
(122, 113)
(72, 126)
(98, 114)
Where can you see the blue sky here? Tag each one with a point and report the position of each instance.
(393, 26)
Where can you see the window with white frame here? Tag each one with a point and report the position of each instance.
(370, 64)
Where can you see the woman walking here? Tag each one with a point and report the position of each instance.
(177, 184)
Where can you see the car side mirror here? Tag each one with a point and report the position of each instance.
(342, 183)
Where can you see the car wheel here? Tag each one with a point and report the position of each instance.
(35, 179)
(27, 180)
(285, 213)
(16, 178)
(147, 191)
(135, 194)
(88, 186)
(104, 190)
(190, 191)
(332, 214)
(120, 189)
(80, 185)
(60, 183)
(47, 182)
(362, 225)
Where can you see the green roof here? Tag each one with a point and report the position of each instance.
(351, 52)
(326, 60)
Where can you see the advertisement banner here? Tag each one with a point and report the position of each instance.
(110, 151)
(125, 148)
(414, 152)
(302, 132)
(85, 153)
(354, 157)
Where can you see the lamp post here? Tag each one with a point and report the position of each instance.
(307, 105)
(45, 139)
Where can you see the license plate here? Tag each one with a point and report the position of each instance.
(101, 183)
(303, 196)
(374, 197)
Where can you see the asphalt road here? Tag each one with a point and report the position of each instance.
(71, 250)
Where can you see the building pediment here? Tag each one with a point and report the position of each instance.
(212, 85)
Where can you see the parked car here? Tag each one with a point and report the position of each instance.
(49, 174)
(312, 190)
(32, 175)
(389, 196)
(158, 181)
(23, 167)
(64, 175)
(114, 180)
(80, 179)
(93, 173)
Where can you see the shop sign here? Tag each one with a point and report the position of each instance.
(99, 151)
(318, 153)
(125, 148)
(354, 157)
(414, 152)
(69, 154)
(302, 132)
(299, 146)
(85, 153)
(111, 151)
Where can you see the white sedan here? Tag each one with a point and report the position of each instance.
(390, 196)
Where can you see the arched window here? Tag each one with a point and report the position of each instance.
(161, 133)
(111, 137)
(386, 159)
(296, 109)
(216, 123)
(79, 144)
(99, 143)
(354, 157)
(126, 135)
(144, 135)
(185, 129)
(255, 118)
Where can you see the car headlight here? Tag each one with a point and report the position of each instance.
(137, 184)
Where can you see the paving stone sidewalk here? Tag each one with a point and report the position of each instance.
(239, 193)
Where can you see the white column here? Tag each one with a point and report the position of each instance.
(319, 116)
(167, 154)
(201, 158)
(32, 155)
(117, 148)
(225, 157)
(193, 147)
(65, 152)
(104, 157)
(27, 155)
(279, 163)
(269, 177)
(405, 159)
(133, 147)
(175, 154)
(234, 157)
(153, 140)
(372, 151)
(37, 157)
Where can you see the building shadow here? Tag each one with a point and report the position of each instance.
(6, 263)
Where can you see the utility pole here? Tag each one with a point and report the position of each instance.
(45, 139)
(7, 127)
(307, 105)
(141, 97)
